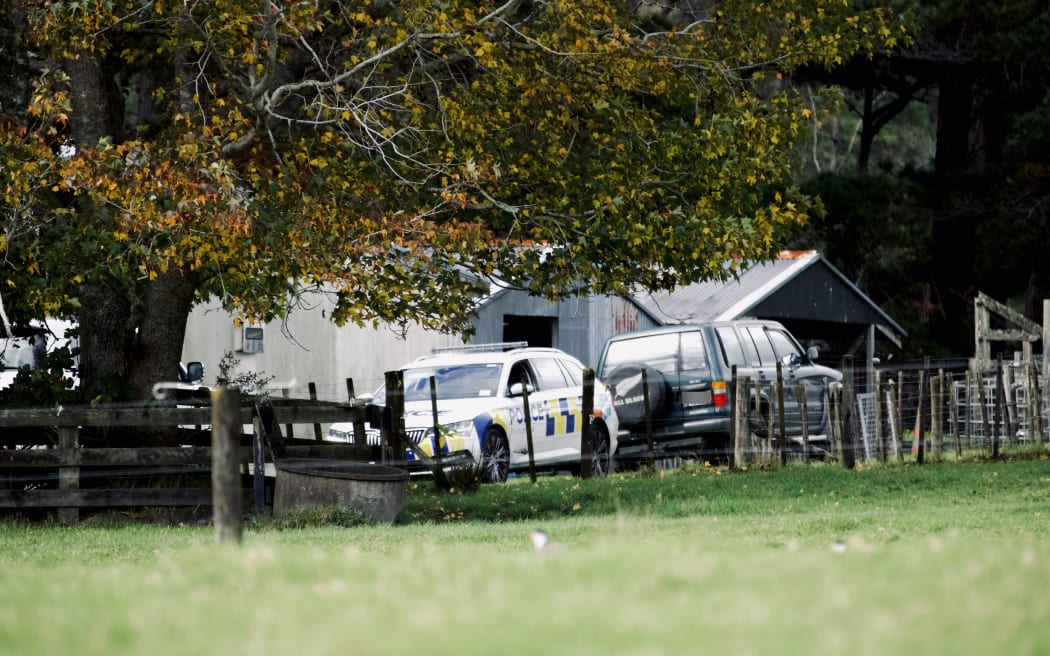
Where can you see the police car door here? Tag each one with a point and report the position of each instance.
(536, 414)
(563, 424)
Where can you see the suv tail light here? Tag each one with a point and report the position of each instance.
(720, 393)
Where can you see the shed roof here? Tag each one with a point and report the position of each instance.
(795, 285)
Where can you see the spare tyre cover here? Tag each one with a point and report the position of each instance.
(628, 398)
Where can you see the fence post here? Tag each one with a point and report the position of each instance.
(982, 400)
(967, 420)
(849, 455)
(936, 428)
(836, 402)
(880, 447)
(782, 438)
(740, 384)
(1037, 406)
(289, 432)
(734, 416)
(893, 414)
(68, 477)
(360, 438)
(528, 426)
(800, 394)
(313, 397)
(435, 423)
(954, 416)
(900, 416)
(918, 443)
(1000, 400)
(395, 408)
(258, 465)
(769, 447)
(1009, 403)
(438, 471)
(586, 438)
(225, 469)
(756, 447)
(829, 409)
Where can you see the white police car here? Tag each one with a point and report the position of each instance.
(481, 411)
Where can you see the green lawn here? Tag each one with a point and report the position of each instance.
(939, 559)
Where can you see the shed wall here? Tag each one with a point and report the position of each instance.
(308, 348)
(583, 323)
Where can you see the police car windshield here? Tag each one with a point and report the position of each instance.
(459, 381)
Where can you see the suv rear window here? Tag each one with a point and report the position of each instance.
(731, 346)
(694, 355)
(669, 353)
(765, 350)
(657, 351)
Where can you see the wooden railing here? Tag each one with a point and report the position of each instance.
(33, 458)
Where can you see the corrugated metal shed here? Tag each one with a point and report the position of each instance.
(797, 286)
(579, 326)
(801, 289)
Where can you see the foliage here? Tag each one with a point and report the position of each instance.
(877, 231)
(250, 382)
(972, 81)
(460, 479)
(50, 384)
(832, 145)
(392, 153)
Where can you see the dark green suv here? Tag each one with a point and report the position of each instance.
(688, 369)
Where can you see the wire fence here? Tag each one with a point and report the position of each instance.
(952, 409)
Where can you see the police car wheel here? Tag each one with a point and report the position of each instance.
(495, 457)
(601, 463)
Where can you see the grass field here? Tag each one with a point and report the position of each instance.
(939, 559)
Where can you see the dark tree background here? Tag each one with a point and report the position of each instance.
(935, 173)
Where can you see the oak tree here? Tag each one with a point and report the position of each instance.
(393, 153)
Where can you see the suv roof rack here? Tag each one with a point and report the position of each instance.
(479, 348)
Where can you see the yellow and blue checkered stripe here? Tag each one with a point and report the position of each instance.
(564, 415)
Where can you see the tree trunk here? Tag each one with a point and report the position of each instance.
(92, 117)
(954, 113)
(105, 308)
(990, 127)
(131, 332)
(867, 131)
(125, 349)
(157, 347)
(106, 333)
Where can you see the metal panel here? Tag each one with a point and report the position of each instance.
(583, 323)
(795, 286)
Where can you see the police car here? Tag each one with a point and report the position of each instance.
(482, 415)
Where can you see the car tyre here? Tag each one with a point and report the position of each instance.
(626, 383)
(601, 461)
(495, 457)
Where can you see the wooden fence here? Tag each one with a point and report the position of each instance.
(953, 411)
(41, 472)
